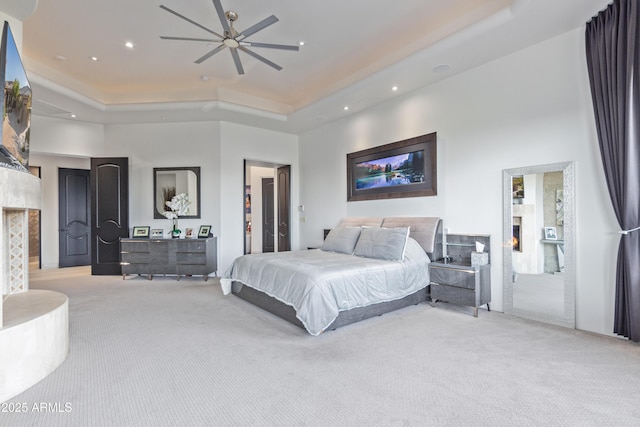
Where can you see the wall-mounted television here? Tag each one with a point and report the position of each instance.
(15, 99)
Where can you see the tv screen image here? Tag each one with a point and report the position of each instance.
(16, 101)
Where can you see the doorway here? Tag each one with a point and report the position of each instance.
(35, 230)
(267, 207)
(74, 212)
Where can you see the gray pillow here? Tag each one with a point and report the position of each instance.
(341, 239)
(382, 243)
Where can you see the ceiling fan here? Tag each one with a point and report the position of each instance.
(232, 39)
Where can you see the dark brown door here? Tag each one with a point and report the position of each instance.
(284, 207)
(109, 213)
(268, 217)
(74, 213)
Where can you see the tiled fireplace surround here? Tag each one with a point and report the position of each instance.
(34, 324)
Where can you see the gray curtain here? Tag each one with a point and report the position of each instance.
(613, 60)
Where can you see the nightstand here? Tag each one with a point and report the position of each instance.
(461, 284)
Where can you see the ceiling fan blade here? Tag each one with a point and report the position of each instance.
(190, 39)
(257, 27)
(260, 58)
(272, 46)
(222, 16)
(210, 54)
(236, 59)
(190, 21)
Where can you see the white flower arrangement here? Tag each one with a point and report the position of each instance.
(170, 214)
(179, 206)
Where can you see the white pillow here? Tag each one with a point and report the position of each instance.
(382, 243)
(341, 239)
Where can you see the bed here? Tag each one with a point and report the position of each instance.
(366, 267)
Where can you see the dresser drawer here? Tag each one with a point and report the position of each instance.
(135, 257)
(192, 246)
(142, 246)
(453, 276)
(191, 258)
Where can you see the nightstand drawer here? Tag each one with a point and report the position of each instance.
(454, 295)
(453, 276)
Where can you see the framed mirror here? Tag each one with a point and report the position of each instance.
(169, 182)
(539, 251)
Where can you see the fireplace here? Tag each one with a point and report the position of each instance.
(517, 235)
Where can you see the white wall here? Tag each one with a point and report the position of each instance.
(241, 143)
(65, 137)
(158, 145)
(49, 217)
(531, 107)
(54, 144)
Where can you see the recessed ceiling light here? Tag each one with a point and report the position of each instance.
(129, 45)
(94, 58)
(394, 88)
(73, 116)
(61, 58)
(301, 43)
(346, 107)
(441, 68)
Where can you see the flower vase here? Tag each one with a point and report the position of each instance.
(175, 232)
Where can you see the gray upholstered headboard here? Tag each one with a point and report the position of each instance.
(361, 221)
(426, 230)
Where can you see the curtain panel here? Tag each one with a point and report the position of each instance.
(613, 61)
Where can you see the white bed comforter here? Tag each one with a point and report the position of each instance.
(319, 284)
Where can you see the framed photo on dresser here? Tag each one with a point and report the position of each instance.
(204, 232)
(140, 231)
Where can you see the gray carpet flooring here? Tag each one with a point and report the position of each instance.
(169, 353)
(542, 294)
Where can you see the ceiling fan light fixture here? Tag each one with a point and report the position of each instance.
(232, 43)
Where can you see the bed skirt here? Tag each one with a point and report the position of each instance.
(346, 317)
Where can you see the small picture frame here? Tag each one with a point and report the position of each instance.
(157, 233)
(141, 231)
(188, 233)
(550, 233)
(204, 232)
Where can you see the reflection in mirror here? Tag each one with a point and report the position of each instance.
(539, 270)
(169, 182)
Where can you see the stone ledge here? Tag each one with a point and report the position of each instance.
(34, 339)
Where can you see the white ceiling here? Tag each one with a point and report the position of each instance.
(354, 52)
